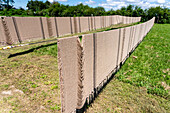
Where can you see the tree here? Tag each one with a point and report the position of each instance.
(99, 11)
(7, 4)
(123, 11)
(36, 5)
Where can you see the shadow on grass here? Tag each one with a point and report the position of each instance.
(30, 50)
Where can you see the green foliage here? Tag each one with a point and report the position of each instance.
(161, 14)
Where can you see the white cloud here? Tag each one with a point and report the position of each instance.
(131, 0)
(161, 1)
(108, 0)
(117, 4)
(58, 0)
(113, 4)
(89, 2)
(151, 0)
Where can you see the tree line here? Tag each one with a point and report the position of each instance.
(55, 9)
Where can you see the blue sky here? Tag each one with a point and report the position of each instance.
(107, 4)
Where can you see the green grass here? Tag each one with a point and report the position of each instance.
(50, 50)
(151, 67)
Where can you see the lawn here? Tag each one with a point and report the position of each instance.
(30, 82)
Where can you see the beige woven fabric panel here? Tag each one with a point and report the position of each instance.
(138, 33)
(106, 47)
(64, 26)
(2, 34)
(141, 32)
(53, 25)
(130, 19)
(68, 71)
(126, 42)
(93, 22)
(29, 28)
(139, 19)
(121, 19)
(75, 24)
(98, 22)
(88, 65)
(130, 38)
(134, 19)
(84, 23)
(92, 25)
(121, 35)
(124, 19)
(114, 20)
(45, 27)
(111, 20)
(144, 29)
(107, 21)
(133, 37)
(11, 27)
(128, 22)
(118, 19)
(147, 27)
(137, 27)
(102, 21)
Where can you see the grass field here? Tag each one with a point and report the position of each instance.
(30, 82)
